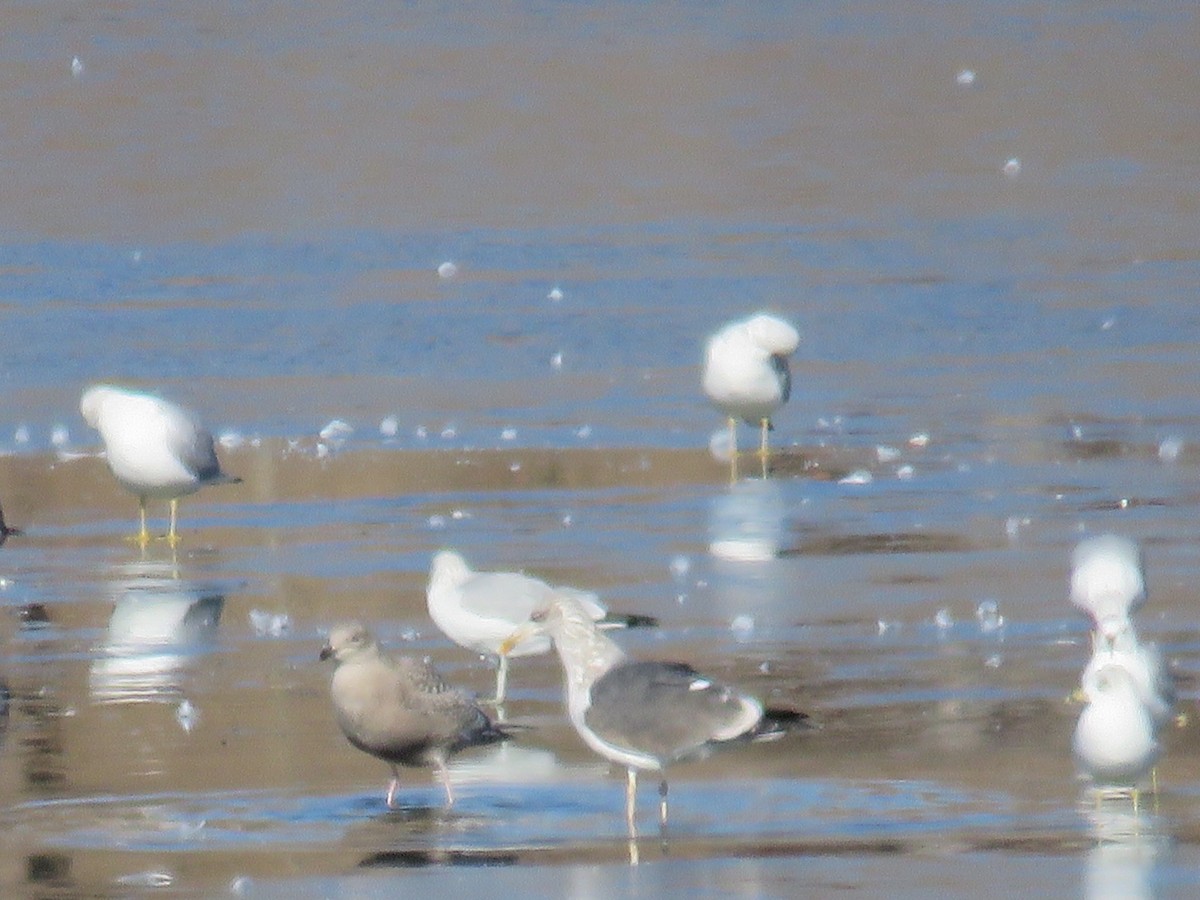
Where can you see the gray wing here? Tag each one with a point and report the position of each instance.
(449, 713)
(667, 710)
(780, 365)
(191, 442)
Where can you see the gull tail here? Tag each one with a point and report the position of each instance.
(627, 620)
(776, 722)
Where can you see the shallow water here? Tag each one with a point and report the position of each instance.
(246, 209)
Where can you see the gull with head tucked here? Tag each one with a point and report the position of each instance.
(481, 610)
(1108, 579)
(156, 449)
(746, 373)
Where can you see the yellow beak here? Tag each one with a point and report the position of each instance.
(523, 633)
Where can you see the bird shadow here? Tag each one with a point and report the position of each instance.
(416, 859)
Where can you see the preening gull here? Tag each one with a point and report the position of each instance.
(398, 709)
(645, 715)
(481, 610)
(156, 449)
(746, 373)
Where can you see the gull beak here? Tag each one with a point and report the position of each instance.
(326, 653)
(526, 631)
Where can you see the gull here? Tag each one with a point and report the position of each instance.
(644, 715)
(1108, 579)
(156, 449)
(1117, 645)
(398, 709)
(746, 373)
(1114, 741)
(481, 610)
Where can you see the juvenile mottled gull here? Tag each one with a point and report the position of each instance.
(746, 373)
(156, 449)
(642, 714)
(1114, 742)
(481, 610)
(398, 709)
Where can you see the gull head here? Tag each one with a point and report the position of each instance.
(348, 641)
(92, 401)
(1107, 577)
(448, 568)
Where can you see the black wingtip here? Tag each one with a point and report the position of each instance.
(778, 721)
(628, 620)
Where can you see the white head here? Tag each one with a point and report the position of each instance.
(92, 400)
(585, 652)
(773, 334)
(448, 569)
(1107, 577)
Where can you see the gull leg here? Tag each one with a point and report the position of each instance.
(392, 788)
(143, 535)
(444, 775)
(173, 534)
(662, 804)
(733, 452)
(763, 451)
(501, 680)
(631, 801)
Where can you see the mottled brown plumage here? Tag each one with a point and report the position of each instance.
(398, 708)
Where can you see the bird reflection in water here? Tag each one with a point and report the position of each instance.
(160, 622)
(746, 523)
(1129, 846)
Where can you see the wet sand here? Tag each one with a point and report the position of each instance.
(939, 750)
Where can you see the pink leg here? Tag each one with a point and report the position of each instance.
(392, 788)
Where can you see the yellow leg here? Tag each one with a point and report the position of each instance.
(764, 452)
(173, 534)
(143, 535)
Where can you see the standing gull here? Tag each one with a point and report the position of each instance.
(398, 709)
(642, 714)
(1114, 742)
(746, 374)
(156, 449)
(481, 610)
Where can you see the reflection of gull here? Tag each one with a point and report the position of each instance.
(746, 372)
(398, 709)
(157, 625)
(1108, 579)
(1114, 740)
(746, 524)
(480, 610)
(643, 715)
(1120, 866)
(156, 450)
